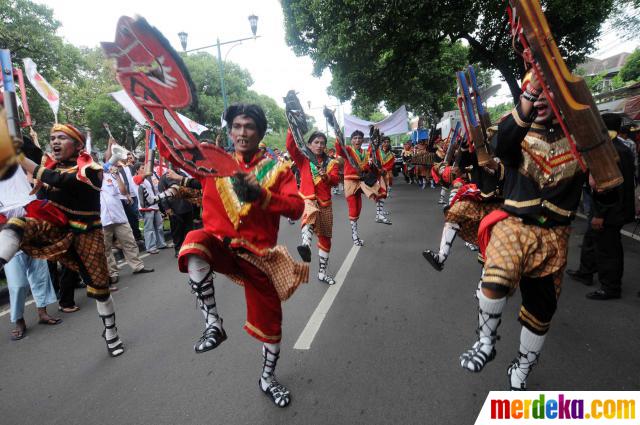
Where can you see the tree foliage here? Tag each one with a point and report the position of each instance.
(626, 18)
(84, 78)
(403, 51)
(630, 71)
(381, 51)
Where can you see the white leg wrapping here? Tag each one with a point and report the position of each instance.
(530, 347)
(106, 311)
(449, 232)
(307, 234)
(277, 392)
(489, 318)
(323, 258)
(354, 233)
(202, 285)
(443, 194)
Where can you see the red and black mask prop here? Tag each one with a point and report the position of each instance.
(156, 79)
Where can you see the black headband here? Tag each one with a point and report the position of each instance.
(254, 112)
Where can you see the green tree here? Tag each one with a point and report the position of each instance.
(383, 51)
(84, 78)
(204, 72)
(405, 51)
(496, 112)
(28, 30)
(626, 18)
(630, 71)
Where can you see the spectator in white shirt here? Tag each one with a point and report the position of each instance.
(115, 224)
(128, 196)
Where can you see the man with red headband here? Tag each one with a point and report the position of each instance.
(387, 161)
(356, 164)
(316, 180)
(67, 226)
(241, 218)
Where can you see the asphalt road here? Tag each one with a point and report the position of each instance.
(386, 352)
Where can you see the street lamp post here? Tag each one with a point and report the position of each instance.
(253, 21)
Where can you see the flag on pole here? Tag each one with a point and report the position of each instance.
(41, 85)
(125, 101)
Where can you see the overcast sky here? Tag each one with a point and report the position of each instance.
(272, 64)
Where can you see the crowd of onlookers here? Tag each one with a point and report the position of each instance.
(130, 225)
(127, 183)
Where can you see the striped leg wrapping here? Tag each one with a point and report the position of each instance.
(278, 393)
(528, 356)
(106, 311)
(489, 318)
(213, 334)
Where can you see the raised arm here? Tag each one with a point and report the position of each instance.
(293, 150)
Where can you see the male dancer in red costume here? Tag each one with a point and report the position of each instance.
(316, 180)
(355, 165)
(241, 217)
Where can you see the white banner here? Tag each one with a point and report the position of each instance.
(41, 85)
(396, 123)
(125, 101)
(546, 407)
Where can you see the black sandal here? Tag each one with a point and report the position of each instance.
(210, 339)
(305, 253)
(278, 393)
(114, 345)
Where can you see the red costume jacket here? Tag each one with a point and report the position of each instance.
(387, 159)
(252, 226)
(360, 157)
(312, 186)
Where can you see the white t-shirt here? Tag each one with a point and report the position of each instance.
(14, 194)
(133, 188)
(150, 190)
(111, 209)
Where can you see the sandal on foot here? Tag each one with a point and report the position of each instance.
(210, 339)
(17, 334)
(277, 392)
(68, 309)
(433, 259)
(52, 321)
(305, 253)
(475, 359)
(114, 345)
(327, 279)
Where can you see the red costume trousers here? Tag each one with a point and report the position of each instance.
(264, 310)
(355, 206)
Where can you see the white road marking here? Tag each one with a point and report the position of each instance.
(622, 231)
(315, 321)
(7, 311)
